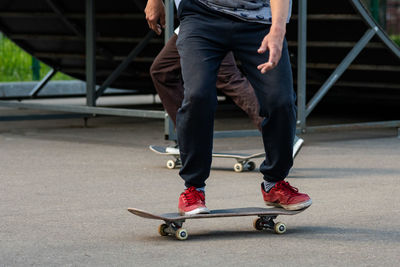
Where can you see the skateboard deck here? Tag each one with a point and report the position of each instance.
(174, 221)
(243, 161)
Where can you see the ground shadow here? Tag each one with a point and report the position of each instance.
(332, 233)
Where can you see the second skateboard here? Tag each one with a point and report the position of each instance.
(243, 161)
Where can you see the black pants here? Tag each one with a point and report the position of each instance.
(204, 39)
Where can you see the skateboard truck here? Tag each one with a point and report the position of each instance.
(267, 223)
(173, 228)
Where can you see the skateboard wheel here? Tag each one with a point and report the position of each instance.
(161, 229)
(280, 228)
(257, 224)
(171, 164)
(181, 234)
(251, 165)
(238, 167)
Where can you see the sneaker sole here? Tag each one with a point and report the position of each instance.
(298, 206)
(202, 210)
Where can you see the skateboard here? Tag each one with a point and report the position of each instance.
(243, 161)
(173, 221)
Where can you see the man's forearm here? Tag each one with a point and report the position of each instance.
(279, 12)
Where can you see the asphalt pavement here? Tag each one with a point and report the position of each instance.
(65, 188)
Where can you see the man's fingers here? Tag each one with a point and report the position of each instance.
(272, 43)
(153, 25)
(263, 46)
(273, 56)
(158, 29)
(162, 20)
(265, 67)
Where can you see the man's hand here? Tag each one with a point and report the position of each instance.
(155, 12)
(272, 42)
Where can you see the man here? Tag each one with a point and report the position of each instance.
(208, 30)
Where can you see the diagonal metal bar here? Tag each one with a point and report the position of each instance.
(124, 64)
(340, 70)
(35, 91)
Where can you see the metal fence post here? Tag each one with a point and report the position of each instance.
(169, 20)
(90, 53)
(302, 65)
(169, 127)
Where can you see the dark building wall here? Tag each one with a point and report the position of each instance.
(393, 17)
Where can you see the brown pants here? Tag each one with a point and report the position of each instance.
(167, 78)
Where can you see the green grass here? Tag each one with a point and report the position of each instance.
(396, 39)
(16, 64)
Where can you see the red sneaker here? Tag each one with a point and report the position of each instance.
(192, 202)
(285, 196)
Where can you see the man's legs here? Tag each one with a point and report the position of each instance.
(204, 38)
(202, 48)
(166, 74)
